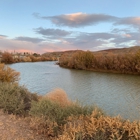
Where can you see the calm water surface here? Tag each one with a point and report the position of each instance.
(116, 94)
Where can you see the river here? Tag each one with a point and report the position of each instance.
(116, 94)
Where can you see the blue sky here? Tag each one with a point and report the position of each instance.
(57, 25)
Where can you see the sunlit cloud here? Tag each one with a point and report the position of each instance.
(77, 19)
(126, 35)
(80, 19)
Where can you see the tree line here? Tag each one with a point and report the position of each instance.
(9, 58)
(110, 62)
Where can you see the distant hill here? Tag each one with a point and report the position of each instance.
(58, 54)
(120, 50)
(114, 51)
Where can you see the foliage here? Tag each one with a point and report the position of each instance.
(48, 116)
(26, 59)
(102, 127)
(8, 75)
(107, 62)
(78, 125)
(64, 60)
(82, 60)
(59, 96)
(15, 99)
(7, 58)
(79, 60)
(52, 108)
(45, 127)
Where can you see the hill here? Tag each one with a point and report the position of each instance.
(129, 50)
(113, 51)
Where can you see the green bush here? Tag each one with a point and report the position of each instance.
(55, 112)
(15, 99)
(47, 109)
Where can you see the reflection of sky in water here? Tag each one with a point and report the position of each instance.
(114, 93)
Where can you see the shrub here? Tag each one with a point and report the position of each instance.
(7, 58)
(59, 96)
(79, 60)
(8, 75)
(26, 59)
(44, 127)
(48, 109)
(51, 108)
(33, 58)
(15, 99)
(102, 127)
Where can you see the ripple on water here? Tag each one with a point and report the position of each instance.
(114, 93)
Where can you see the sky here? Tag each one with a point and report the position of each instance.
(57, 25)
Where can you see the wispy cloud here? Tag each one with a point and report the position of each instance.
(52, 32)
(29, 39)
(77, 19)
(3, 36)
(131, 21)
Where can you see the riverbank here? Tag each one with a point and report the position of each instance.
(53, 116)
(114, 93)
(101, 70)
(125, 61)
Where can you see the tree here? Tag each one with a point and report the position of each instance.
(82, 60)
(7, 58)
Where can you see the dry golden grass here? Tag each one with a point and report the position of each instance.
(100, 128)
(8, 75)
(43, 127)
(59, 95)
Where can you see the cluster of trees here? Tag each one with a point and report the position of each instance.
(122, 63)
(78, 60)
(8, 58)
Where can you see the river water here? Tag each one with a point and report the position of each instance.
(116, 94)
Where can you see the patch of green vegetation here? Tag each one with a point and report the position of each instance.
(55, 112)
(15, 99)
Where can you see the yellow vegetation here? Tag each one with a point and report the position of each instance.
(58, 95)
(8, 75)
(100, 128)
(108, 62)
(94, 126)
